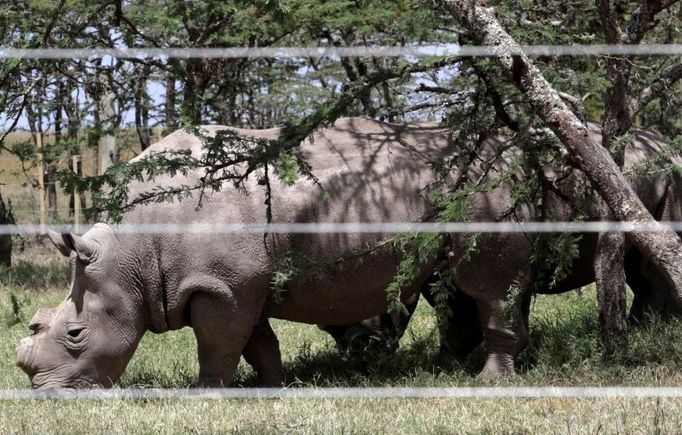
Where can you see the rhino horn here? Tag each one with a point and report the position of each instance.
(67, 242)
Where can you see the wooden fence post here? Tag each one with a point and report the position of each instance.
(158, 133)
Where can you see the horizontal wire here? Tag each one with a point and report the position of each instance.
(346, 393)
(361, 227)
(357, 51)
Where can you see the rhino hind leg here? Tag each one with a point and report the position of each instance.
(262, 353)
(378, 334)
(219, 351)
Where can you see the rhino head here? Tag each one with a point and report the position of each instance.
(89, 338)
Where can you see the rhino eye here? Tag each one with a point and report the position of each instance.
(76, 333)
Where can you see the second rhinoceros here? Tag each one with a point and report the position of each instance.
(464, 329)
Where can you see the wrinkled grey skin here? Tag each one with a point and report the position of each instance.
(219, 284)
(465, 329)
(90, 337)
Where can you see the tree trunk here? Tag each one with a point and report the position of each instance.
(170, 101)
(5, 239)
(51, 157)
(609, 258)
(107, 141)
(196, 81)
(663, 247)
(95, 133)
(51, 191)
(142, 107)
(71, 106)
(610, 277)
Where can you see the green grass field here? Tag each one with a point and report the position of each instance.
(563, 351)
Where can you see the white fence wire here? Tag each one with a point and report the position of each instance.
(347, 393)
(336, 52)
(423, 227)
(362, 227)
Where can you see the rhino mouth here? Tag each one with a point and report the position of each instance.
(45, 383)
(24, 357)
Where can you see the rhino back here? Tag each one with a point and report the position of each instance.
(370, 171)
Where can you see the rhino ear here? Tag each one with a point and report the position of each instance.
(86, 249)
(57, 239)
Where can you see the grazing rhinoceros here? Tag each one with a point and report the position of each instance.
(465, 328)
(219, 284)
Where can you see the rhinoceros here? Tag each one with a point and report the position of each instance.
(463, 330)
(219, 284)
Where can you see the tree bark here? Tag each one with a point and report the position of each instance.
(50, 163)
(663, 247)
(609, 270)
(142, 107)
(195, 84)
(609, 257)
(170, 101)
(107, 141)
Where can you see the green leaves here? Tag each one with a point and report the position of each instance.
(110, 190)
(553, 256)
(286, 166)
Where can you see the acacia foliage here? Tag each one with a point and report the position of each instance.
(472, 96)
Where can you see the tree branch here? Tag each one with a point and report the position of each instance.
(613, 31)
(663, 247)
(496, 99)
(436, 89)
(643, 18)
(662, 84)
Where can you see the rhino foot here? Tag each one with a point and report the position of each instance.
(498, 365)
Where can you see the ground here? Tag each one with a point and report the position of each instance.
(563, 351)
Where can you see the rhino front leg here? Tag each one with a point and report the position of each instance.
(262, 353)
(222, 333)
(506, 334)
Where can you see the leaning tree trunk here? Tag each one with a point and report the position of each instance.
(663, 246)
(5, 239)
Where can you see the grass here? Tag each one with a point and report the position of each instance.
(563, 351)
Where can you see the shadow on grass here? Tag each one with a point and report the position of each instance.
(563, 349)
(568, 348)
(31, 276)
(176, 377)
(329, 367)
